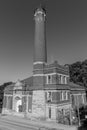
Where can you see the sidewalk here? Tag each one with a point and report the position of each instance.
(40, 124)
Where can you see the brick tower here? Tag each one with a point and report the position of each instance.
(40, 50)
(40, 55)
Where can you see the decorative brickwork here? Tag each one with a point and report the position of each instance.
(39, 81)
(48, 93)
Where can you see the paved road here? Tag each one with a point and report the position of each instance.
(18, 123)
(9, 125)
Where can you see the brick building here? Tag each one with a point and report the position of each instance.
(48, 92)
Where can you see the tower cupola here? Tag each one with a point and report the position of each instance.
(41, 11)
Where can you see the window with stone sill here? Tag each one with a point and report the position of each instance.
(64, 95)
(84, 97)
(59, 77)
(67, 80)
(49, 79)
(48, 96)
(56, 96)
(64, 79)
(61, 96)
(68, 95)
(29, 103)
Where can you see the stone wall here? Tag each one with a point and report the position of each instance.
(38, 104)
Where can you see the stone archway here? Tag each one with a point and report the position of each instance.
(18, 104)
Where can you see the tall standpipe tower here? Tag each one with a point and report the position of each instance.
(40, 54)
(40, 50)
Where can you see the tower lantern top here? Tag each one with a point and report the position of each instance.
(40, 10)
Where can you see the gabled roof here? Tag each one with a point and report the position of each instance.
(74, 86)
(28, 81)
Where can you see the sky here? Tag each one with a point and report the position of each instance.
(66, 35)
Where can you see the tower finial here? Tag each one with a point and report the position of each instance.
(43, 5)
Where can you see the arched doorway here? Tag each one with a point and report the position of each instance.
(18, 104)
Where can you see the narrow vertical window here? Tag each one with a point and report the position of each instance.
(59, 79)
(64, 95)
(63, 79)
(61, 96)
(30, 104)
(49, 96)
(68, 95)
(49, 79)
(67, 80)
(49, 112)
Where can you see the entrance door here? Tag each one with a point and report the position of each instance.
(18, 104)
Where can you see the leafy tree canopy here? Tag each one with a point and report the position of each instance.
(4, 85)
(78, 72)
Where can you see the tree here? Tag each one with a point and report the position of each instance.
(2, 87)
(78, 73)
